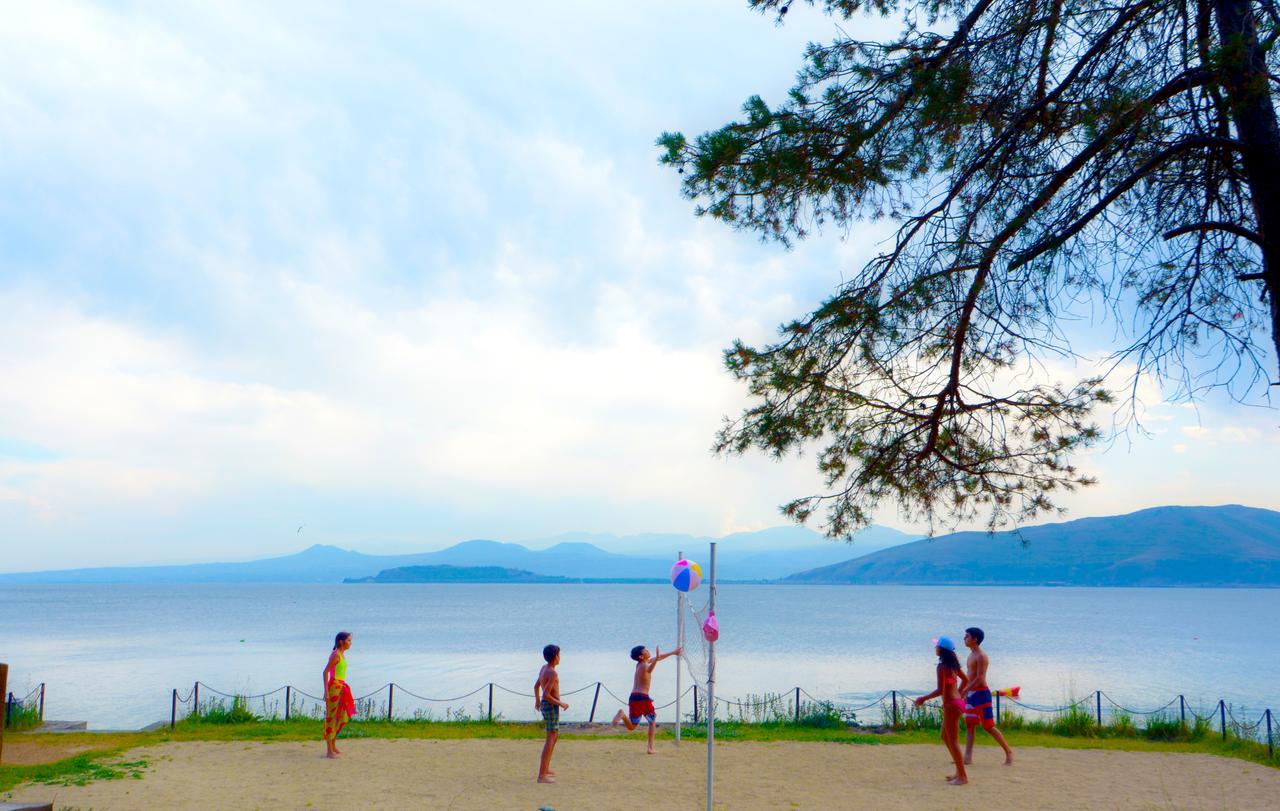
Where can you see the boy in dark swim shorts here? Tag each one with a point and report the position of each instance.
(639, 704)
(978, 709)
(549, 704)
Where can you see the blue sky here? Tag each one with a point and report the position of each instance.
(410, 276)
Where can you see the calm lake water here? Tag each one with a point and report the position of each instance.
(111, 654)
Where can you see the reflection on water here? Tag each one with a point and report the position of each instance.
(111, 654)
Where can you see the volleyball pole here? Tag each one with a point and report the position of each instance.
(711, 685)
(679, 644)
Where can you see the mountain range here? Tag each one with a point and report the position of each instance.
(1163, 546)
(763, 555)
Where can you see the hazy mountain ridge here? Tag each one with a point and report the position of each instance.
(1230, 545)
(766, 554)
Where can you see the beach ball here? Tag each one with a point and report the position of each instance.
(686, 575)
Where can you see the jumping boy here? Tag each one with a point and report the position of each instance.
(978, 708)
(639, 704)
(548, 684)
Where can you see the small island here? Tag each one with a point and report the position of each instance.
(457, 574)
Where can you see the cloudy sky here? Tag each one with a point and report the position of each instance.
(410, 276)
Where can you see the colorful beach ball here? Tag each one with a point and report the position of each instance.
(686, 575)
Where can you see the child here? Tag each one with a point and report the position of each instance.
(639, 704)
(548, 684)
(978, 698)
(951, 683)
(339, 705)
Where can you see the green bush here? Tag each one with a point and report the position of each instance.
(1075, 722)
(22, 716)
(218, 711)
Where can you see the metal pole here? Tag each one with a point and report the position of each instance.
(711, 687)
(1182, 705)
(797, 705)
(1099, 695)
(173, 711)
(391, 699)
(491, 702)
(1271, 752)
(4, 686)
(695, 703)
(1222, 709)
(288, 701)
(8, 708)
(42, 702)
(195, 705)
(592, 718)
(679, 644)
(895, 707)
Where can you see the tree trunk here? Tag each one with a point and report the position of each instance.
(1249, 93)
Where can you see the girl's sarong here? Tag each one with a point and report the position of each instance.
(339, 706)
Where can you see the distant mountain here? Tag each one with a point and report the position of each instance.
(764, 555)
(1163, 546)
(329, 564)
(456, 574)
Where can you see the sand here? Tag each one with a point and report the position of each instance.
(615, 773)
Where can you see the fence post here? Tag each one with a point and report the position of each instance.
(797, 705)
(173, 711)
(288, 700)
(195, 694)
(1222, 710)
(391, 698)
(895, 707)
(1099, 696)
(4, 686)
(8, 708)
(695, 703)
(491, 702)
(1182, 705)
(1271, 752)
(592, 718)
(997, 709)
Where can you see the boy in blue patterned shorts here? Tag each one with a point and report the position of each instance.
(977, 703)
(548, 684)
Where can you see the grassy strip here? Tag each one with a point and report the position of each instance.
(79, 770)
(97, 765)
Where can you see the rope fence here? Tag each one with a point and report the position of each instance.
(893, 708)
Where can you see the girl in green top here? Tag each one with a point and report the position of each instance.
(339, 705)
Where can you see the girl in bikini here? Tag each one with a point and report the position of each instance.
(951, 684)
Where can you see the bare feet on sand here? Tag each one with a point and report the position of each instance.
(957, 781)
(1008, 759)
(547, 778)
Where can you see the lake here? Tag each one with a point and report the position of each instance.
(111, 654)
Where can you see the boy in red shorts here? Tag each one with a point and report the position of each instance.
(639, 704)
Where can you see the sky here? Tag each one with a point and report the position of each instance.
(409, 274)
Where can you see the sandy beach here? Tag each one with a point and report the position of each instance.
(614, 773)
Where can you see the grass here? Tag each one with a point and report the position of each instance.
(22, 717)
(79, 770)
(773, 720)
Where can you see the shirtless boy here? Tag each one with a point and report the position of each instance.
(639, 704)
(978, 708)
(548, 684)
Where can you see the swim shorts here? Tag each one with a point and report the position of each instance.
(639, 705)
(551, 714)
(978, 709)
